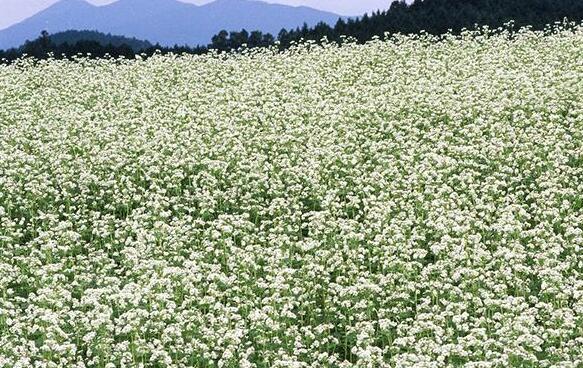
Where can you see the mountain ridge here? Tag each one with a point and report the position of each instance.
(167, 22)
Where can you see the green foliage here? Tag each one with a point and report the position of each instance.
(434, 17)
(431, 16)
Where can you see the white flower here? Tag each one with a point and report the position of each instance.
(412, 201)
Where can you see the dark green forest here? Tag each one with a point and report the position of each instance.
(432, 16)
(72, 37)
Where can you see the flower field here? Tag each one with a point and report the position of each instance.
(403, 203)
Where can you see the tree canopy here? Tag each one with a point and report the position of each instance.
(431, 16)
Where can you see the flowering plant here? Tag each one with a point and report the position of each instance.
(413, 201)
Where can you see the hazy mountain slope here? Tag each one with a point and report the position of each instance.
(165, 21)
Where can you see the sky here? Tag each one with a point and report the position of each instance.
(13, 11)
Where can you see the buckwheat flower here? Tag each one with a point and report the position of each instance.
(411, 201)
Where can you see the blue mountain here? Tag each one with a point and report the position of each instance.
(167, 22)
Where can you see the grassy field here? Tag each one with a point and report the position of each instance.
(405, 203)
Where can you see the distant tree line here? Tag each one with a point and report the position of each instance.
(44, 46)
(95, 45)
(72, 36)
(432, 16)
(233, 40)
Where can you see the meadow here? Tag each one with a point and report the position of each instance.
(414, 201)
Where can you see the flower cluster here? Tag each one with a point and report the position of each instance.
(411, 201)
